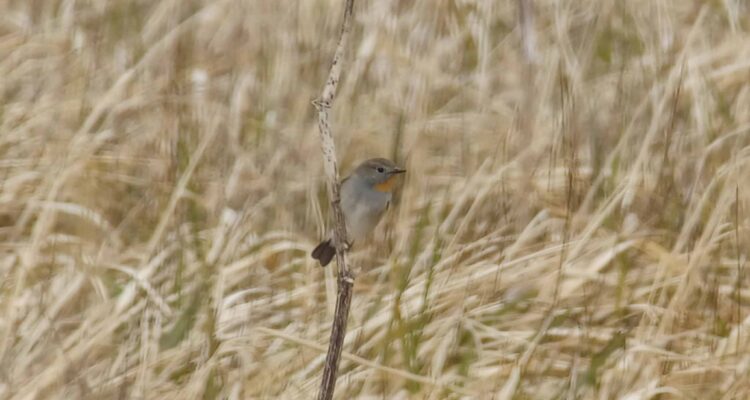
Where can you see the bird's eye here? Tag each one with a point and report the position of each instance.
(381, 169)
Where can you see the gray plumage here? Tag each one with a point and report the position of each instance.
(365, 196)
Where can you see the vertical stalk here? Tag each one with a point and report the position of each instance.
(345, 277)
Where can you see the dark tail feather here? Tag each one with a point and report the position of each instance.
(324, 252)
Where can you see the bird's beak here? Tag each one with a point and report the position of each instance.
(398, 171)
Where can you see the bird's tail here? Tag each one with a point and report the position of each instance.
(324, 252)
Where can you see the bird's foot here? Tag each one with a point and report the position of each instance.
(348, 245)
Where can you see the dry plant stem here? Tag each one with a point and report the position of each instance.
(528, 36)
(345, 277)
(528, 41)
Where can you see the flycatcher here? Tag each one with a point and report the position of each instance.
(365, 196)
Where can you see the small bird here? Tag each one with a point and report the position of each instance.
(365, 195)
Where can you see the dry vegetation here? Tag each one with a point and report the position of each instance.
(573, 228)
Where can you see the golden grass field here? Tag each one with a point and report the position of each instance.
(575, 222)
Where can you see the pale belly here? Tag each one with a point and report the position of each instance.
(362, 213)
(362, 221)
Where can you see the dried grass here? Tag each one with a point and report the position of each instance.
(574, 226)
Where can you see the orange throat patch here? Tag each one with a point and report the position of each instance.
(387, 185)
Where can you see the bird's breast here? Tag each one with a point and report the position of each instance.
(363, 207)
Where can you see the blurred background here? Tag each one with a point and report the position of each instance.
(574, 222)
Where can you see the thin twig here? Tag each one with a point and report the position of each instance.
(345, 277)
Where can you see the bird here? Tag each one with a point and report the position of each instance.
(365, 196)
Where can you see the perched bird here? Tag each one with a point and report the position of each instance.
(365, 195)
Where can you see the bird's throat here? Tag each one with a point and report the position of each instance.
(386, 186)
